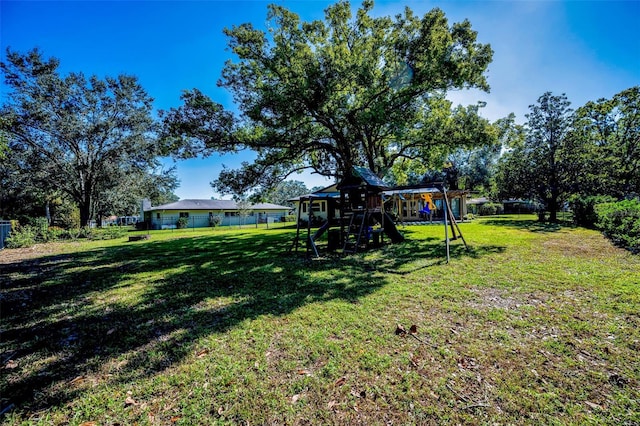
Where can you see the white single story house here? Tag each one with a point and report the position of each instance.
(204, 213)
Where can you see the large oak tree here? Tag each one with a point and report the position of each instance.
(329, 95)
(83, 137)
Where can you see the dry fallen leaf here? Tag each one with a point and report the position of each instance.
(111, 331)
(414, 361)
(202, 353)
(340, 381)
(220, 411)
(356, 394)
(130, 401)
(295, 398)
(332, 404)
(78, 379)
(413, 329)
(11, 364)
(175, 419)
(400, 331)
(88, 424)
(594, 406)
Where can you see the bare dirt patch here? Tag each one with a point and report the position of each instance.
(498, 298)
(8, 256)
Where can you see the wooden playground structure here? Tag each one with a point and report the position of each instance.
(359, 212)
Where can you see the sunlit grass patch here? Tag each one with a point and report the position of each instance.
(533, 324)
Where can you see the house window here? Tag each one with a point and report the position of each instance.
(228, 214)
(157, 215)
(184, 214)
(304, 207)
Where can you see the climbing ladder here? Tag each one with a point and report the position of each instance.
(354, 230)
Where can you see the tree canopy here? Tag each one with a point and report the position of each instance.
(603, 150)
(593, 151)
(285, 191)
(83, 137)
(329, 95)
(534, 169)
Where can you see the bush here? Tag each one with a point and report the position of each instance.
(21, 236)
(490, 209)
(56, 233)
(214, 220)
(182, 222)
(37, 232)
(40, 226)
(620, 222)
(583, 209)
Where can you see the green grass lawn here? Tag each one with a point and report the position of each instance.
(535, 324)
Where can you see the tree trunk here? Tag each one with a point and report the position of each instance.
(85, 214)
(553, 206)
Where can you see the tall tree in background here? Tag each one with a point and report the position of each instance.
(603, 149)
(80, 136)
(534, 169)
(329, 95)
(125, 197)
(285, 191)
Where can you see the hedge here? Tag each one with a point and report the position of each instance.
(620, 222)
(583, 208)
(490, 209)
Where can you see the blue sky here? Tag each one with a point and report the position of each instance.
(586, 49)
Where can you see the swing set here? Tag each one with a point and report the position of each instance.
(427, 196)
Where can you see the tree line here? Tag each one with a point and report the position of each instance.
(326, 95)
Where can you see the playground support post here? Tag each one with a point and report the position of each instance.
(446, 229)
(297, 238)
(454, 222)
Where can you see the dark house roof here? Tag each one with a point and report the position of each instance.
(360, 176)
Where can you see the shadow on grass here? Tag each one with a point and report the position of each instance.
(527, 224)
(131, 311)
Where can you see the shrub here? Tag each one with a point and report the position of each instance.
(214, 220)
(182, 223)
(620, 222)
(67, 216)
(490, 209)
(289, 218)
(40, 226)
(57, 233)
(21, 236)
(583, 209)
